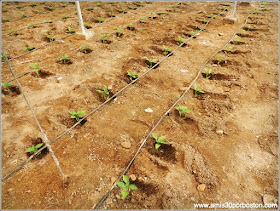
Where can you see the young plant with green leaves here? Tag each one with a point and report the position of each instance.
(218, 11)
(31, 25)
(197, 90)
(105, 93)
(221, 56)
(65, 59)
(6, 19)
(98, 4)
(124, 10)
(4, 10)
(6, 86)
(119, 31)
(29, 48)
(64, 16)
(208, 71)
(50, 37)
(19, 7)
(100, 19)
(89, 8)
(111, 14)
(84, 49)
(36, 68)
(48, 21)
(211, 15)
(204, 20)
(22, 15)
(103, 40)
(151, 62)
(132, 6)
(152, 15)
(192, 33)
(249, 27)
(166, 50)
(182, 109)
(228, 48)
(77, 115)
(132, 75)
(51, 9)
(70, 31)
(236, 37)
(34, 149)
(181, 40)
(11, 31)
(243, 31)
(159, 141)
(142, 20)
(201, 29)
(126, 186)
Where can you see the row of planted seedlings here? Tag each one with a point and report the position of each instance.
(50, 37)
(105, 94)
(160, 144)
(29, 10)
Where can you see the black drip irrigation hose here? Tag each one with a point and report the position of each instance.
(166, 113)
(77, 49)
(56, 40)
(132, 82)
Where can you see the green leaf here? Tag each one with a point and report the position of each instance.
(100, 91)
(73, 117)
(195, 86)
(121, 184)
(125, 193)
(81, 113)
(132, 187)
(38, 146)
(157, 146)
(161, 138)
(72, 112)
(126, 179)
(29, 150)
(154, 136)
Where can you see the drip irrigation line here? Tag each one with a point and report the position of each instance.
(166, 113)
(77, 49)
(45, 138)
(132, 82)
(64, 37)
(34, 15)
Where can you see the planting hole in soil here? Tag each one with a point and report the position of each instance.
(166, 151)
(41, 74)
(11, 90)
(42, 154)
(69, 122)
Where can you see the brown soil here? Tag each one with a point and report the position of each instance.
(241, 99)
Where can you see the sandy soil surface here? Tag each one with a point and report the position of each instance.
(224, 150)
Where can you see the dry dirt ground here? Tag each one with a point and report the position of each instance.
(229, 141)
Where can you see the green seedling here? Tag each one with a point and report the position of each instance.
(211, 15)
(265, 3)
(218, 11)
(126, 186)
(201, 29)
(98, 4)
(65, 59)
(131, 75)
(32, 5)
(22, 15)
(6, 86)
(249, 27)
(151, 62)
(89, 8)
(77, 115)
(236, 37)
(204, 20)
(51, 8)
(152, 15)
(64, 16)
(160, 13)
(6, 19)
(4, 10)
(70, 31)
(29, 48)
(11, 31)
(36, 68)
(243, 31)
(19, 7)
(48, 21)
(105, 92)
(111, 14)
(124, 10)
(208, 71)
(192, 33)
(159, 141)
(166, 50)
(34, 149)
(43, 2)
(228, 48)
(197, 90)
(132, 6)
(182, 109)
(50, 37)
(103, 40)
(31, 25)
(100, 19)
(119, 32)
(142, 20)
(181, 40)
(84, 48)
(221, 56)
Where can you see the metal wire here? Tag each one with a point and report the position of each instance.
(45, 138)
(144, 141)
(65, 36)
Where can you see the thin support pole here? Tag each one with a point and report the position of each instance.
(81, 22)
